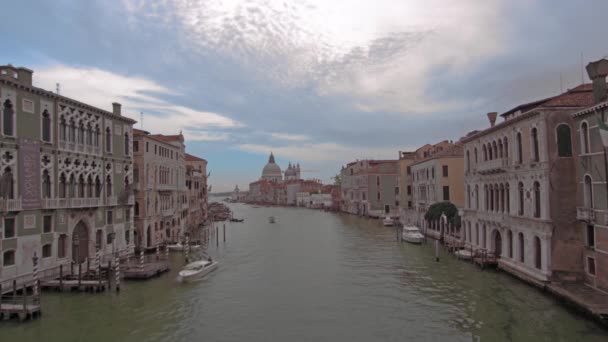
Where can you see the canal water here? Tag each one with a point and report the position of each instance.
(312, 276)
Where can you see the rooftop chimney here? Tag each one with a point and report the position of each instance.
(25, 76)
(492, 117)
(116, 108)
(597, 72)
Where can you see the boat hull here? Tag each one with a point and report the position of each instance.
(190, 276)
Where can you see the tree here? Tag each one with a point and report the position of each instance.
(449, 209)
(338, 180)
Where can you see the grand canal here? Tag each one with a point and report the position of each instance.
(312, 276)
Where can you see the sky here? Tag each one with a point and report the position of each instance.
(317, 82)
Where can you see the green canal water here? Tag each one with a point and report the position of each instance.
(312, 276)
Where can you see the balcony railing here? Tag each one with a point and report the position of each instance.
(492, 166)
(167, 212)
(10, 204)
(585, 214)
(111, 200)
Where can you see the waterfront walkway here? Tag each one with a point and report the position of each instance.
(593, 301)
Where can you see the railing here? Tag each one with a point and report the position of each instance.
(167, 212)
(111, 200)
(585, 214)
(493, 166)
(10, 204)
(80, 148)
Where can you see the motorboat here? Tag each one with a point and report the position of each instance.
(412, 234)
(464, 254)
(271, 219)
(197, 270)
(388, 222)
(178, 247)
(236, 220)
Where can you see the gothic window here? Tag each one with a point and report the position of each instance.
(520, 188)
(62, 129)
(500, 152)
(484, 151)
(97, 135)
(564, 143)
(81, 132)
(510, 243)
(126, 144)
(8, 118)
(476, 155)
(97, 187)
(521, 247)
(536, 199)
(519, 148)
(46, 184)
(468, 161)
(46, 126)
(8, 184)
(136, 209)
(72, 186)
(508, 197)
(588, 192)
(109, 186)
(477, 197)
(506, 147)
(89, 135)
(81, 186)
(72, 130)
(535, 148)
(537, 253)
(495, 149)
(108, 140)
(584, 138)
(62, 186)
(90, 187)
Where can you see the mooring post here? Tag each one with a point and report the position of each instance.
(224, 232)
(167, 250)
(217, 236)
(14, 289)
(61, 277)
(79, 274)
(117, 275)
(436, 250)
(187, 249)
(88, 265)
(24, 290)
(141, 259)
(157, 251)
(35, 275)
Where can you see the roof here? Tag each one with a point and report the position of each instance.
(168, 138)
(580, 96)
(190, 157)
(592, 109)
(525, 107)
(140, 131)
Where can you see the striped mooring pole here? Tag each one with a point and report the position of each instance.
(141, 259)
(98, 262)
(117, 272)
(35, 276)
(157, 250)
(167, 250)
(187, 248)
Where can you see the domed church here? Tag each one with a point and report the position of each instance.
(272, 172)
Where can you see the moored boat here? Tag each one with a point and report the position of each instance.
(464, 254)
(178, 247)
(412, 234)
(197, 270)
(388, 222)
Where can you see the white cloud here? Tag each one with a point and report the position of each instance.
(380, 53)
(100, 88)
(289, 137)
(322, 152)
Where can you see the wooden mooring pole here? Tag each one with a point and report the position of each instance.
(224, 232)
(436, 250)
(217, 236)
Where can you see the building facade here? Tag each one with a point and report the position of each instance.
(521, 191)
(370, 188)
(67, 174)
(194, 207)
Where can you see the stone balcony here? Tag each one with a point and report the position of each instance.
(10, 204)
(585, 214)
(112, 201)
(492, 166)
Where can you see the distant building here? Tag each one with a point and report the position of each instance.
(370, 188)
(272, 172)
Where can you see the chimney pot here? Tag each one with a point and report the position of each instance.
(597, 72)
(492, 117)
(116, 108)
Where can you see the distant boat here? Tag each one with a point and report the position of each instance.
(412, 234)
(464, 254)
(271, 219)
(197, 269)
(388, 222)
(178, 247)
(236, 220)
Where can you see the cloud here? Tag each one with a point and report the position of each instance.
(382, 55)
(100, 88)
(322, 152)
(289, 137)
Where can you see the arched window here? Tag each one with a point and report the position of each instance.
(89, 134)
(506, 147)
(535, 148)
(468, 161)
(491, 198)
(126, 144)
(495, 149)
(97, 136)
(72, 186)
(72, 130)
(519, 149)
(536, 199)
(522, 247)
(468, 196)
(81, 186)
(508, 197)
(483, 236)
(8, 118)
(97, 187)
(510, 243)
(496, 198)
(46, 126)
(81, 131)
(136, 209)
(90, 187)
(487, 197)
(62, 129)
(108, 140)
(476, 160)
(477, 234)
(502, 198)
(564, 143)
(109, 186)
(500, 153)
(476, 197)
(484, 152)
(520, 188)
(46, 184)
(62, 186)
(588, 192)
(585, 138)
(8, 184)
(490, 155)
(537, 253)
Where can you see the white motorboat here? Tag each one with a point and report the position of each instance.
(464, 254)
(388, 222)
(178, 247)
(412, 234)
(197, 270)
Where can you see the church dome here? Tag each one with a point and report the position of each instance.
(272, 171)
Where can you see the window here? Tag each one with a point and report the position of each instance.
(147, 146)
(535, 150)
(508, 198)
(446, 193)
(127, 144)
(47, 250)
(72, 136)
(8, 118)
(396, 190)
(62, 186)
(564, 144)
(588, 192)
(510, 243)
(409, 204)
(108, 140)
(9, 227)
(475, 155)
(409, 189)
(9, 258)
(591, 266)
(468, 161)
(108, 238)
(62, 129)
(46, 184)
(584, 138)
(537, 253)
(81, 133)
(506, 147)
(46, 126)
(47, 223)
(97, 135)
(484, 151)
(10, 183)
(445, 170)
(409, 170)
(378, 180)
(135, 146)
(433, 172)
(109, 186)
(519, 148)
(536, 199)
(98, 239)
(109, 217)
(127, 237)
(468, 196)
(521, 198)
(62, 247)
(476, 197)
(136, 209)
(521, 247)
(590, 236)
(378, 195)
(155, 149)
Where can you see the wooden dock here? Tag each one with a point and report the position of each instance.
(136, 271)
(23, 306)
(86, 285)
